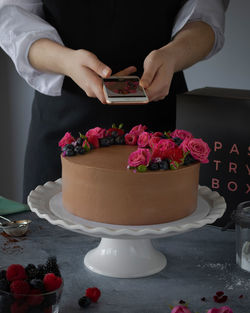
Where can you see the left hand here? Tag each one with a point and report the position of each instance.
(159, 68)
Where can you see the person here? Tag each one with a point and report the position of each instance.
(63, 50)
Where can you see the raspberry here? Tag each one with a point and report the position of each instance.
(19, 287)
(35, 297)
(15, 272)
(93, 293)
(19, 307)
(52, 282)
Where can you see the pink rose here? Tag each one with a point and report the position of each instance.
(139, 157)
(131, 139)
(157, 134)
(180, 133)
(143, 139)
(180, 309)
(66, 140)
(160, 150)
(197, 148)
(224, 309)
(97, 131)
(137, 130)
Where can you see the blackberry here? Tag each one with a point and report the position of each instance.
(3, 274)
(189, 159)
(5, 303)
(120, 140)
(84, 302)
(52, 266)
(31, 271)
(41, 271)
(104, 142)
(177, 140)
(37, 284)
(153, 166)
(4, 285)
(79, 150)
(164, 165)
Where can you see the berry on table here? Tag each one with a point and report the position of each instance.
(84, 302)
(93, 293)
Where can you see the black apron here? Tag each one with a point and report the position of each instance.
(120, 34)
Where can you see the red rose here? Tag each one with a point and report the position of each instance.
(153, 141)
(131, 139)
(160, 150)
(175, 154)
(182, 134)
(119, 131)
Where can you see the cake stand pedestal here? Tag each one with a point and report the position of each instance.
(124, 251)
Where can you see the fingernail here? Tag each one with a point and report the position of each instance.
(105, 72)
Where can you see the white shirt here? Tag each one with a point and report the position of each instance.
(21, 23)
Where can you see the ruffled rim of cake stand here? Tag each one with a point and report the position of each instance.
(39, 203)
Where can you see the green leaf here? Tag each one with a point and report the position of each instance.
(82, 136)
(174, 165)
(141, 168)
(120, 126)
(113, 126)
(167, 134)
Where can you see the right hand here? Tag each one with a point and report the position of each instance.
(87, 71)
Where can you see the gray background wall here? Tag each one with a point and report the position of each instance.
(229, 68)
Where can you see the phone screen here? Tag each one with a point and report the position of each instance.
(123, 87)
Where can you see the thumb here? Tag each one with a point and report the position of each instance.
(150, 70)
(97, 66)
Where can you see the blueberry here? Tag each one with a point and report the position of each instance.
(104, 142)
(120, 140)
(79, 141)
(68, 147)
(4, 285)
(111, 140)
(37, 284)
(164, 165)
(153, 166)
(84, 302)
(79, 150)
(69, 152)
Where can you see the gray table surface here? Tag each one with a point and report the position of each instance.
(200, 263)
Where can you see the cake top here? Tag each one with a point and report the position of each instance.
(154, 151)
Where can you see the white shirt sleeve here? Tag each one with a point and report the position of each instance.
(211, 12)
(20, 25)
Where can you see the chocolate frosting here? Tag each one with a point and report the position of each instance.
(97, 186)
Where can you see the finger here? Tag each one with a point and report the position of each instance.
(96, 65)
(159, 87)
(127, 71)
(91, 84)
(151, 66)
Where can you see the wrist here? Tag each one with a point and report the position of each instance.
(171, 55)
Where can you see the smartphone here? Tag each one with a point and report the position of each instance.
(124, 90)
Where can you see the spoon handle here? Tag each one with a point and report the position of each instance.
(6, 219)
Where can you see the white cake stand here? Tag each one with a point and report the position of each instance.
(124, 251)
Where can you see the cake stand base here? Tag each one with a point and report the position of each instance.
(124, 258)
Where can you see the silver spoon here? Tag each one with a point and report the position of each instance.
(15, 228)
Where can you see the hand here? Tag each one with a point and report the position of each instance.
(87, 72)
(159, 67)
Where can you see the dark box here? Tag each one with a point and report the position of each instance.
(221, 117)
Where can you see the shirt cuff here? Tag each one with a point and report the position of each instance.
(19, 29)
